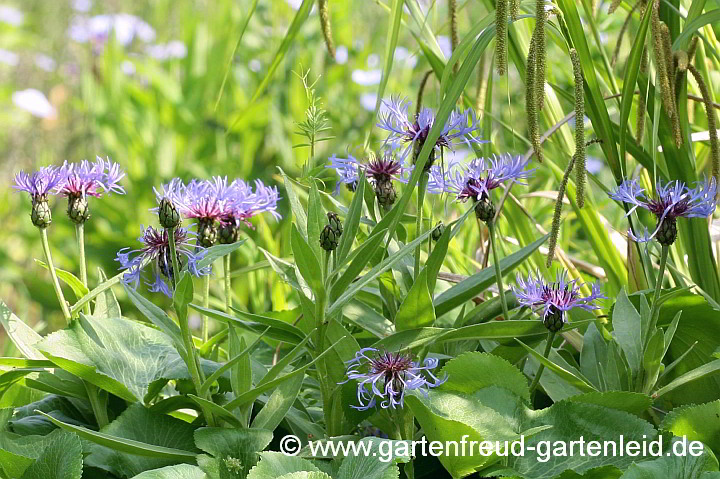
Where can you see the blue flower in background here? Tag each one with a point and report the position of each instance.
(40, 183)
(91, 178)
(387, 376)
(672, 200)
(155, 254)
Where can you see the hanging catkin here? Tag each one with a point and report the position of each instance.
(664, 83)
(712, 121)
(530, 103)
(613, 6)
(540, 53)
(621, 35)
(325, 25)
(501, 19)
(579, 157)
(555, 229)
(514, 9)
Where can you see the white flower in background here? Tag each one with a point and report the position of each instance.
(128, 68)
(341, 55)
(9, 58)
(11, 15)
(366, 78)
(34, 102)
(403, 54)
(294, 4)
(255, 65)
(45, 62)
(445, 45)
(373, 60)
(368, 101)
(167, 51)
(97, 29)
(82, 5)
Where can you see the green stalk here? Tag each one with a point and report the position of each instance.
(206, 304)
(548, 346)
(173, 254)
(80, 237)
(658, 287)
(422, 186)
(228, 286)
(498, 273)
(53, 274)
(320, 308)
(98, 404)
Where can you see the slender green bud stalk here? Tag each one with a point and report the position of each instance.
(555, 229)
(53, 274)
(325, 25)
(579, 156)
(501, 19)
(498, 271)
(80, 237)
(228, 284)
(712, 121)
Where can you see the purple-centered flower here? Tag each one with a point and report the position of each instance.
(671, 201)
(475, 180)
(244, 202)
(387, 376)
(556, 298)
(40, 183)
(407, 132)
(377, 169)
(155, 254)
(91, 178)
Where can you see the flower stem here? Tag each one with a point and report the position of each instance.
(228, 286)
(658, 286)
(80, 237)
(422, 185)
(498, 273)
(98, 404)
(173, 255)
(541, 368)
(206, 305)
(53, 274)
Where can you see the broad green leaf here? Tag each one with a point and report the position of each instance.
(278, 405)
(218, 251)
(70, 279)
(305, 475)
(306, 260)
(118, 355)
(183, 294)
(106, 304)
(652, 359)
(295, 205)
(698, 423)
(634, 403)
(473, 371)
(479, 282)
(416, 310)
(380, 463)
(240, 444)
(436, 258)
(132, 454)
(352, 220)
(360, 258)
(672, 466)
(241, 374)
(60, 458)
(238, 364)
(216, 410)
(708, 18)
(572, 378)
(181, 471)
(103, 288)
(710, 369)
(256, 323)
(22, 336)
(593, 355)
(156, 316)
(627, 331)
(316, 220)
(275, 464)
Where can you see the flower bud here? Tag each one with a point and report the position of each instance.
(206, 233)
(485, 209)
(40, 214)
(667, 231)
(165, 263)
(554, 320)
(78, 209)
(168, 214)
(385, 193)
(438, 231)
(335, 223)
(329, 238)
(228, 233)
(352, 187)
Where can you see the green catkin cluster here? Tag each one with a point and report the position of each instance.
(501, 19)
(623, 30)
(452, 13)
(665, 70)
(579, 157)
(642, 106)
(555, 229)
(712, 121)
(514, 9)
(614, 6)
(540, 53)
(325, 25)
(692, 48)
(531, 104)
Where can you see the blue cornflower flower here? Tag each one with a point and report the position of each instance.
(386, 376)
(155, 254)
(380, 170)
(672, 200)
(39, 185)
(477, 178)
(554, 299)
(88, 179)
(410, 134)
